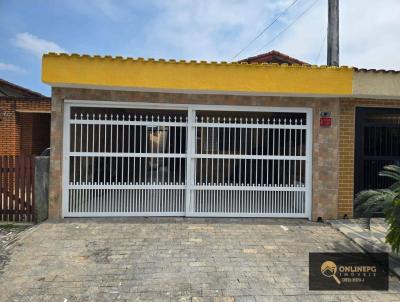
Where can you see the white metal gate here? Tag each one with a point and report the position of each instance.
(211, 161)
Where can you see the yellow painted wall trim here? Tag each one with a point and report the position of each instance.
(63, 69)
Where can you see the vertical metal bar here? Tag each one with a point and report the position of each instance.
(206, 152)
(279, 150)
(256, 149)
(169, 151)
(301, 161)
(251, 151)
(129, 151)
(158, 148)
(234, 152)
(123, 150)
(190, 142)
(240, 152)
(290, 151)
(92, 168)
(245, 153)
(284, 154)
(81, 150)
(223, 152)
(98, 152)
(217, 146)
(87, 147)
(273, 181)
(74, 149)
(140, 151)
(164, 128)
(230, 179)
(105, 150)
(180, 152)
(175, 142)
(111, 149)
(146, 142)
(268, 143)
(212, 151)
(295, 153)
(151, 159)
(262, 153)
(201, 152)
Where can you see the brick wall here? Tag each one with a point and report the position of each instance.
(346, 149)
(13, 124)
(325, 175)
(25, 121)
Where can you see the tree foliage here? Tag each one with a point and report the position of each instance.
(368, 202)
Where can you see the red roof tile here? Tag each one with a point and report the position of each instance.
(273, 57)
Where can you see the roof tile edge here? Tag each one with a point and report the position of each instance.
(192, 62)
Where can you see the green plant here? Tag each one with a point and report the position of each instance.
(368, 202)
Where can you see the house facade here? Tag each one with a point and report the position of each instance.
(24, 120)
(135, 137)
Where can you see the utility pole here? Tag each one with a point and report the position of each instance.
(333, 33)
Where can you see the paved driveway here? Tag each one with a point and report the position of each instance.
(174, 259)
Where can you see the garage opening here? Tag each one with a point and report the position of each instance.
(377, 144)
(189, 161)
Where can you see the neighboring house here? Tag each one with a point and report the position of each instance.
(178, 138)
(24, 120)
(273, 56)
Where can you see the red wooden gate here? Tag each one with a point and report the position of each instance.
(17, 188)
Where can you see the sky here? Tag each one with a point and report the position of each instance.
(212, 30)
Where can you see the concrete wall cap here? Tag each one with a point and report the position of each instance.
(191, 62)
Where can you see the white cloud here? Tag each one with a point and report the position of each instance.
(11, 67)
(209, 29)
(111, 9)
(217, 29)
(36, 45)
(370, 34)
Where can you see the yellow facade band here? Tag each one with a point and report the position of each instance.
(118, 72)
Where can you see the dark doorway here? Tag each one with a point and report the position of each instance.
(377, 144)
(34, 132)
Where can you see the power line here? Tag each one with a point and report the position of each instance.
(287, 27)
(265, 29)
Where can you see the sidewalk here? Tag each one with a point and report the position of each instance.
(369, 240)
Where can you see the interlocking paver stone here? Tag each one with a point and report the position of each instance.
(174, 260)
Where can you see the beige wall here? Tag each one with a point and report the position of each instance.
(325, 140)
(376, 84)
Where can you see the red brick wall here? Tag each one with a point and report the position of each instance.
(12, 124)
(24, 125)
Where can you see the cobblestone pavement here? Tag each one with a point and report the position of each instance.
(174, 260)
